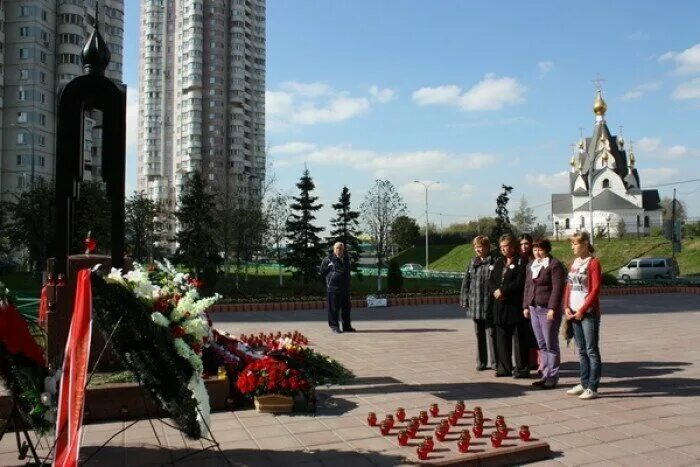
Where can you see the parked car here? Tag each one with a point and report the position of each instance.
(649, 269)
(411, 267)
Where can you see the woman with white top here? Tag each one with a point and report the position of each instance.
(582, 309)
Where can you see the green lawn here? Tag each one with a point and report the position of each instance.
(613, 253)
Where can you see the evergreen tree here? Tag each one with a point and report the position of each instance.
(502, 220)
(345, 228)
(524, 218)
(92, 214)
(394, 277)
(197, 238)
(305, 246)
(144, 226)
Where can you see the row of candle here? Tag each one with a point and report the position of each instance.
(443, 428)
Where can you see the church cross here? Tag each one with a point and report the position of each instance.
(599, 82)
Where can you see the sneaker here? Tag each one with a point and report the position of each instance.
(349, 329)
(336, 331)
(480, 367)
(576, 390)
(588, 394)
(539, 382)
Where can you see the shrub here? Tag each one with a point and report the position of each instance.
(394, 277)
(609, 279)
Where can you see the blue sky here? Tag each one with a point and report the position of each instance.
(473, 94)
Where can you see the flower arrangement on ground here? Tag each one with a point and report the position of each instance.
(23, 370)
(160, 328)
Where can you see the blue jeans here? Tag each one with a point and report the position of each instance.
(547, 335)
(586, 335)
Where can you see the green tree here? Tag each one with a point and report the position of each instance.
(92, 214)
(405, 232)
(503, 225)
(144, 226)
(381, 207)
(305, 247)
(29, 222)
(198, 245)
(276, 214)
(667, 208)
(524, 217)
(345, 228)
(246, 235)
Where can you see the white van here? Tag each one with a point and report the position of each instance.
(649, 269)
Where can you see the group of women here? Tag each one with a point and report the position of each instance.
(518, 297)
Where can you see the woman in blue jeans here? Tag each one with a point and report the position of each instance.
(582, 309)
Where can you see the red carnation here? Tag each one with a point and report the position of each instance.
(178, 331)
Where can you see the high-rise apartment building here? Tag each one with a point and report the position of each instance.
(40, 46)
(202, 98)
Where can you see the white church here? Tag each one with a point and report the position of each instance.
(602, 169)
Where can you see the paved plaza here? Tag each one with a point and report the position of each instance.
(648, 412)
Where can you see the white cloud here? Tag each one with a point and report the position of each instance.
(544, 67)
(639, 91)
(655, 176)
(687, 62)
(491, 93)
(653, 148)
(416, 164)
(339, 109)
(467, 190)
(316, 89)
(558, 182)
(381, 95)
(688, 90)
(446, 94)
(316, 103)
(292, 148)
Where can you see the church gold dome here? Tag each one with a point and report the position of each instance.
(599, 105)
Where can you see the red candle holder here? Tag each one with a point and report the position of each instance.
(465, 435)
(423, 417)
(372, 419)
(411, 431)
(90, 244)
(434, 410)
(384, 428)
(415, 422)
(50, 280)
(440, 434)
(389, 419)
(459, 408)
(452, 418)
(496, 439)
(524, 433)
(477, 409)
(503, 431)
(402, 437)
(400, 414)
(500, 419)
(463, 445)
(422, 452)
(429, 444)
(478, 430)
(61, 280)
(445, 425)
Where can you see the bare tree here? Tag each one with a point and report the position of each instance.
(276, 214)
(381, 207)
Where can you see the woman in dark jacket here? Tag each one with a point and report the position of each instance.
(475, 298)
(506, 289)
(542, 303)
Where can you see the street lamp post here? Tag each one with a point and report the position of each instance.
(607, 219)
(590, 200)
(426, 185)
(556, 230)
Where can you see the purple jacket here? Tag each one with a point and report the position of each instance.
(547, 289)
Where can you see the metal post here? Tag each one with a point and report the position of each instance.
(673, 227)
(426, 186)
(590, 203)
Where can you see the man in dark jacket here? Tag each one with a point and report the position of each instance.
(335, 270)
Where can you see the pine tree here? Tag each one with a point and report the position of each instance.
(306, 248)
(503, 225)
(346, 228)
(197, 240)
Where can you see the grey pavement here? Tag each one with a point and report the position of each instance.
(648, 412)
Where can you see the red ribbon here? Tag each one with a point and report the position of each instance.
(71, 399)
(15, 335)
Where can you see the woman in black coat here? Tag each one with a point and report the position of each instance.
(506, 288)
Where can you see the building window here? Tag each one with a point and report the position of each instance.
(25, 52)
(26, 11)
(19, 159)
(639, 221)
(24, 31)
(21, 117)
(646, 221)
(22, 138)
(23, 74)
(583, 222)
(42, 161)
(606, 183)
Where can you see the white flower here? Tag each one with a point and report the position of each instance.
(160, 319)
(115, 275)
(196, 327)
(512, 266)
(491, 268)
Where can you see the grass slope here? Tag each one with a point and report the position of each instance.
(613, 253)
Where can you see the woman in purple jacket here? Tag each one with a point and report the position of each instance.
(544, 287)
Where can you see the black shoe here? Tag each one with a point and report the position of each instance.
(349, 329)
(502, 375)
(521, 375)
(336, 331)
(539, 383)
(549, 385)
(480, 367)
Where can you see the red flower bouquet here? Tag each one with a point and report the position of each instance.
(271, 376)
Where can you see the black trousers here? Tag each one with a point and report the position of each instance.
(485, 345)
(504, 348)
(338, 304)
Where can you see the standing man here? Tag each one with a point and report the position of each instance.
(335, 270)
